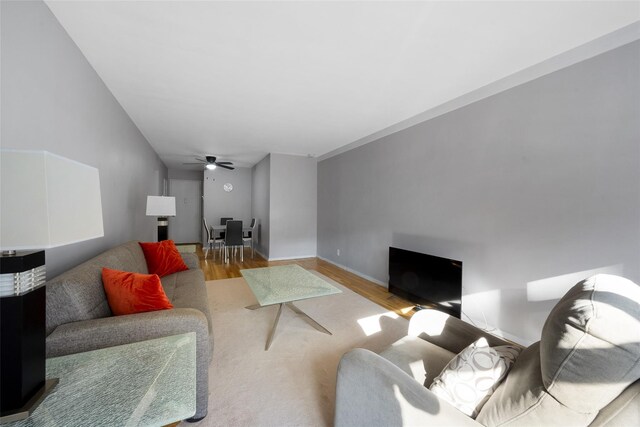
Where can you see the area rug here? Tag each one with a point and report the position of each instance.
(293, 383)
(186, 249)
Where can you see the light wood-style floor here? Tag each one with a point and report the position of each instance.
(214, 268)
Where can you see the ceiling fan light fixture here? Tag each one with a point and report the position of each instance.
(211, 163)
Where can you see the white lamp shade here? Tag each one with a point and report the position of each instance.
(161, 206)
(47, 201)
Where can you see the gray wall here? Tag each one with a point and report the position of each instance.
(53, 100)
(293, 207)
(260, 203)
(218, 203)
(536, 182)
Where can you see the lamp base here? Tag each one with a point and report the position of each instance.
(31, 405)
(22, 334)
(163, 228)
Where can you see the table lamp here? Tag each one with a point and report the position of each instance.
(46, 201)
(162, 207)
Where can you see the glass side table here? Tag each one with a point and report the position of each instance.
(148, 383)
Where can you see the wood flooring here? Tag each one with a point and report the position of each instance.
(214, 268)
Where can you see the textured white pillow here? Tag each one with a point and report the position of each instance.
(473, 375)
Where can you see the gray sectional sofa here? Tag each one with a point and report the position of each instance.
(584, 371)
(79, 318)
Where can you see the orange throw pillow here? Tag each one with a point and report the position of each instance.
(163, 257)
(130, 293)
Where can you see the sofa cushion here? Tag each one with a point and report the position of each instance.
(78, 294)
(130, 293)
(590, 345)
(521, 399)
(163, 257)
(623, 411)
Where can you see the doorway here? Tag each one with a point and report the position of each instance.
(185, 226)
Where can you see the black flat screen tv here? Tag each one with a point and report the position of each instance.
(426, 280)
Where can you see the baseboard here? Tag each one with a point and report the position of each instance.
(496, 331)
(284, 258)
(357, 273)
(291, 257)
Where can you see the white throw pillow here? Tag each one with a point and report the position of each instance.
(471, 377)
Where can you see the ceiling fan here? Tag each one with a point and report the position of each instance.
(211, 163)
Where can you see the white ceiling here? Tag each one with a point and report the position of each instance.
(241, 79)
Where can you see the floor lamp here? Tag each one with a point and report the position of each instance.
(46, 201)
(162, 207)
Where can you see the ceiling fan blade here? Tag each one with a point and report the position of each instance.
(224, 163)
(200, 159)
(225, 166)
(199, 164)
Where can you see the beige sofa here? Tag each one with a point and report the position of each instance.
(585, 370)
(79, 318)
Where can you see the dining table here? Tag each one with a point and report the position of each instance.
(224, 228)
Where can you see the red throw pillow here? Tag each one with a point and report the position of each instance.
(130, 293)
(163, 258)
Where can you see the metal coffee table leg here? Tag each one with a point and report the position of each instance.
(273, 329)
(275, 322)
(296, 310)
(313, 323)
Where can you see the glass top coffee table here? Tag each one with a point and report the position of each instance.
(282, 285)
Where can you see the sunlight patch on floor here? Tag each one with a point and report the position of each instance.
(371, 325)
(406, 310)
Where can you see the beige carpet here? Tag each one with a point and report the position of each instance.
(186, 249)
(292, 384)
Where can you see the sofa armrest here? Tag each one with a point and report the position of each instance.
(449, 332)
(191, 260)
(93, 334)
(87, 335)
(371, 391)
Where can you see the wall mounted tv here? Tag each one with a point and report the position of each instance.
(426, 280)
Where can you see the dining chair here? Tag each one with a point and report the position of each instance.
(212, 241)
(248, 237)
(223, 221)
(233, 239)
